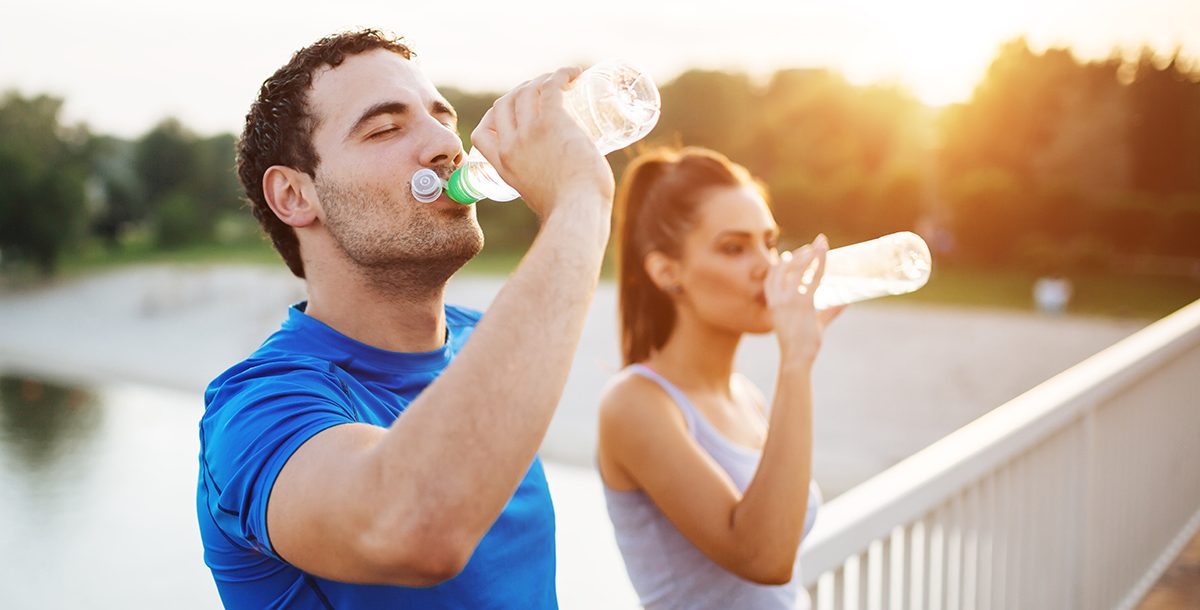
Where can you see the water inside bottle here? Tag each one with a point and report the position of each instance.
(893, 264)
(616, 106)
(838, 290)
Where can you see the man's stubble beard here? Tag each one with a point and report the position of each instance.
(411, 254)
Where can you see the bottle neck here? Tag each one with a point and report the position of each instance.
(459, 187)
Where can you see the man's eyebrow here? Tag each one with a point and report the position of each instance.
(376, 110)
(440, 107)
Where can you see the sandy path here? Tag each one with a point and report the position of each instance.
(891, 379)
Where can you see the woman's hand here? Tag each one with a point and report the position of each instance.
(789, 287)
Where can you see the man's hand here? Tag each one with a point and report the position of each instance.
(539, 150)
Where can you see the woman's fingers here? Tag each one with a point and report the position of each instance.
(829, 314)
(798, 271)
(773, 283)
(820, 249)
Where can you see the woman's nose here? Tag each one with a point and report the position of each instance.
(765, 259)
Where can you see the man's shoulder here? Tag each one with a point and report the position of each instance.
(270, 398)
(267, 373)
(269, 365)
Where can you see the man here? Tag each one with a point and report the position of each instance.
(368, 455)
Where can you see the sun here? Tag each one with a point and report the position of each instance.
(938, 49)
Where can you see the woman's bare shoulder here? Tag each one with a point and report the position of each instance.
(632, 399)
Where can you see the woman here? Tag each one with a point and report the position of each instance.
(709, 491)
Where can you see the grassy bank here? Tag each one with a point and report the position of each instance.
(98, 258)
(1093, 293)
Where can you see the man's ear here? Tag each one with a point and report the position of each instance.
(663, 271)
(291, 195)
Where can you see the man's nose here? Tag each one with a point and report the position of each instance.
(442, 145)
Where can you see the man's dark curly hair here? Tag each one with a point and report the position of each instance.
(279, 126)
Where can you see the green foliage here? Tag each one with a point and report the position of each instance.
(181, 221)
(215, 183)
(705, 108)
(1099, 161)
(1053, 164)
(187, 182)
(1095, 292)
(43, 166)
(165, 159)
(990, 214)
(1164, 127)
(122, 203)
(835, 157)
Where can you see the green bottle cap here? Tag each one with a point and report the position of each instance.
(459, 190)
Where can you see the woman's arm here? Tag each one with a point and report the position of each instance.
(644, 439)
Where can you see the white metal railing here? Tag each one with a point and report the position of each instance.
(1076, 494)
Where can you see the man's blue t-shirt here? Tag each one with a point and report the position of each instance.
(304, 379)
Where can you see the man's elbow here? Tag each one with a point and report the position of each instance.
(417, 559)
(438, 568)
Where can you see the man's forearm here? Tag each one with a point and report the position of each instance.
(474, 431)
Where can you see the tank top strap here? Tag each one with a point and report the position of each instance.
(681, 399)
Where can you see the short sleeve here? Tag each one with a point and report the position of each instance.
(253, 423)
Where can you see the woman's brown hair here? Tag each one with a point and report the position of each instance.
(656, 206)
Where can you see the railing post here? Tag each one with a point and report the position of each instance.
(896, 564)
(954, 554)
(937, 561)
(918, 564)
(877, 573)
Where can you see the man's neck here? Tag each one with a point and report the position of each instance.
(385, 312)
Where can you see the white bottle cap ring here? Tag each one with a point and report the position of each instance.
(427, 185)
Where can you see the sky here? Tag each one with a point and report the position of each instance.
(124, 65)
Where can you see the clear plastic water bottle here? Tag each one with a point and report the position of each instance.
(893, 264)
(615, 103)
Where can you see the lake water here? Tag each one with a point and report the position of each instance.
(97, 505)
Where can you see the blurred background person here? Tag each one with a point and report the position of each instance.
(709, 491)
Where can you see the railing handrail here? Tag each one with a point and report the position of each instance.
(925, 480)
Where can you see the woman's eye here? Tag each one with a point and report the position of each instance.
(732, 249)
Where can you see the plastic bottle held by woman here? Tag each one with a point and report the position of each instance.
(893, 264)
(615, 103)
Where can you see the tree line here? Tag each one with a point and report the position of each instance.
(62, 186)
(1053, 164)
